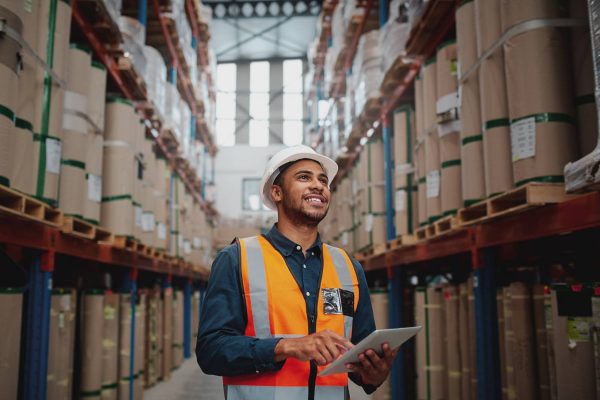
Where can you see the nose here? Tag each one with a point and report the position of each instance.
(317, 184)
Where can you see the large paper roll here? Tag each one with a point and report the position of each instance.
(11, 308)
(421, 183)
(419, 106)
(96, 94)
(452, 343)
(121, 121)
(61, 344)
(167, 330)
(403, 180)
(432, 167)
(92, 332)
(421, 354)
(466, 36)
(430, 91)
(473, 176)
(437, 366)
(72, 191)
(540, 94)
(450, 173)
(93, 192)
(110, 346)
(125, 373)
(446, 84)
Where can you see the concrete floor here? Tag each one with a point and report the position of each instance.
(187, 383)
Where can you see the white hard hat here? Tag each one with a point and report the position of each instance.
(289, 154)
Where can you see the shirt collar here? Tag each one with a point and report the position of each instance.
(285, 246)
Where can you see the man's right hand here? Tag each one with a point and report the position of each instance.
(323, 347)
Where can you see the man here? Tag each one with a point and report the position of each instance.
(280, 307)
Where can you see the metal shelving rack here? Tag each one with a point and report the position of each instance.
(42, 242)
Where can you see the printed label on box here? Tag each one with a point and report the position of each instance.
(400, 203)
(578, 329)
(94, 187)
(148, 221)
(369, 222)
(53, 154)
(345, 238)
(433, 184)
(187, 247)
(197, 243)
(162, 231)
(522, 138)
(138, 216)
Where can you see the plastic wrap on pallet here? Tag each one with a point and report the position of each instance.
(367, 69)
(350, 11)
(114, 8)
(205, 15)
(415, 10)
(172, 117)
(156, 78)
(185, 127)
(392, 41)
(134, 36)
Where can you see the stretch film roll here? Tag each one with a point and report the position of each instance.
(540, 94)
(110, 347)
(583, 72)
(92, 330)
(473, 177)
(494, 102)
(11, 308)
(9, 66)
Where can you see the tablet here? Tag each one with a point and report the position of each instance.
(395, 337)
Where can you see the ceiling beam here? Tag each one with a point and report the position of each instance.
(264, 8)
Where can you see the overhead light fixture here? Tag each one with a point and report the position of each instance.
(247, 10)
(370, 132)
(301, 7)
(260, 9)
(314, 7)
(234, 10)
(344, 149)
(287, 8)
(274, 9)
(363, 141)
(376, 124)
(220, 11)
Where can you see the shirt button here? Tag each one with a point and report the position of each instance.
(304, 266)
(298, 248)
(307, 294)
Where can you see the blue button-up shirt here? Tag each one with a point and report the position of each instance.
(223, 349)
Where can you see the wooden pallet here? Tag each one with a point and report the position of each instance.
(132, 78)
(125, 242)
(445, 225)
(16, 203)
(421, 233)
(395, 75)
(104, 236)
(77, 227)
(514, 201)
(401, 241)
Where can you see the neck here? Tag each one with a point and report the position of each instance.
(304, 235)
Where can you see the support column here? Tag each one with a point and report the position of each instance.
(397, 279)
(242, 125)
(384, 12)
(143, 12)
(486, 322)
(187, 319)
(388, 167)
(276, 102)
(37, 329)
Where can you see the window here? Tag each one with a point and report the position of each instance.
(293, 102)
(226, 104)
(251, 195)
(259, 103)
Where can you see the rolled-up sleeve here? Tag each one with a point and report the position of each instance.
(222, 348)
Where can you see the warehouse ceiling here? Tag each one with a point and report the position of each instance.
(258, 30)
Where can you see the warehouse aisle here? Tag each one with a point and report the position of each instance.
(187, 383)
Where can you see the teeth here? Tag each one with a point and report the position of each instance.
(314, 200)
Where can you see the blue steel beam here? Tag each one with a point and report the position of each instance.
(37, 329)
(143, 12)
(486, 322)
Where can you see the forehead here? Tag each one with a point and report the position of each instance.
(306, 165)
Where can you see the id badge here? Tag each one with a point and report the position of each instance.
(338, 302)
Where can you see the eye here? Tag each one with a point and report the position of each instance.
(323, 181)
(303, 177)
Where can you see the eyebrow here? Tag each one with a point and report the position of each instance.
(304, 171)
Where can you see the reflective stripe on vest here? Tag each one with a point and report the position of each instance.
(276, 307)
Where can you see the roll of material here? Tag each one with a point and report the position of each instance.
(452, 343)
(22, 154)
(421, 356)
(159, 337)
(152, 336)
(120, 121)
(540, 94)
(432, 167)
(574, 356)
(72, 187)
(9, 67)
(541, 341)
(61, 344)
(466, 341)
(446, 83)
(509, 343)
(421, 183)
(404, 182)
(437, 366)
(96, 96)
(117, 213)
(11, 308)
(140, 332)
(125, 373)
(429, 73)
(376, 178)
(466, 36)
(167, 333)
(79, 69)
(473, 336)
(93, 176)
(419, 107)
(110, 349)
(523, 346)
(489, 26)
(177, 328)
(380, 301)
(583, 72)
(502, 341)
(450, 173)
(46, 167)
(496, 126)
(92, 331)
(473, 176)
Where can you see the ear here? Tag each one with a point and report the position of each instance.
(276, 193)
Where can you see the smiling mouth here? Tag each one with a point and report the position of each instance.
(316, 200)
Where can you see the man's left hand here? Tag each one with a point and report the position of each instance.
(371, 368)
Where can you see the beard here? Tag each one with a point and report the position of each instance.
(300, 216)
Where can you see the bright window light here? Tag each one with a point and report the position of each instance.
(259, 133)
(292, 133)
(225, 132)
(292, 76)
(292, 106)
(259, 77)
(259, 106)
(226, 77)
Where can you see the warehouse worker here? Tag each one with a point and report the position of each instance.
(281, 306)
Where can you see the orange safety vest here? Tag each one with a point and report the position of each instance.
(276, 307)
